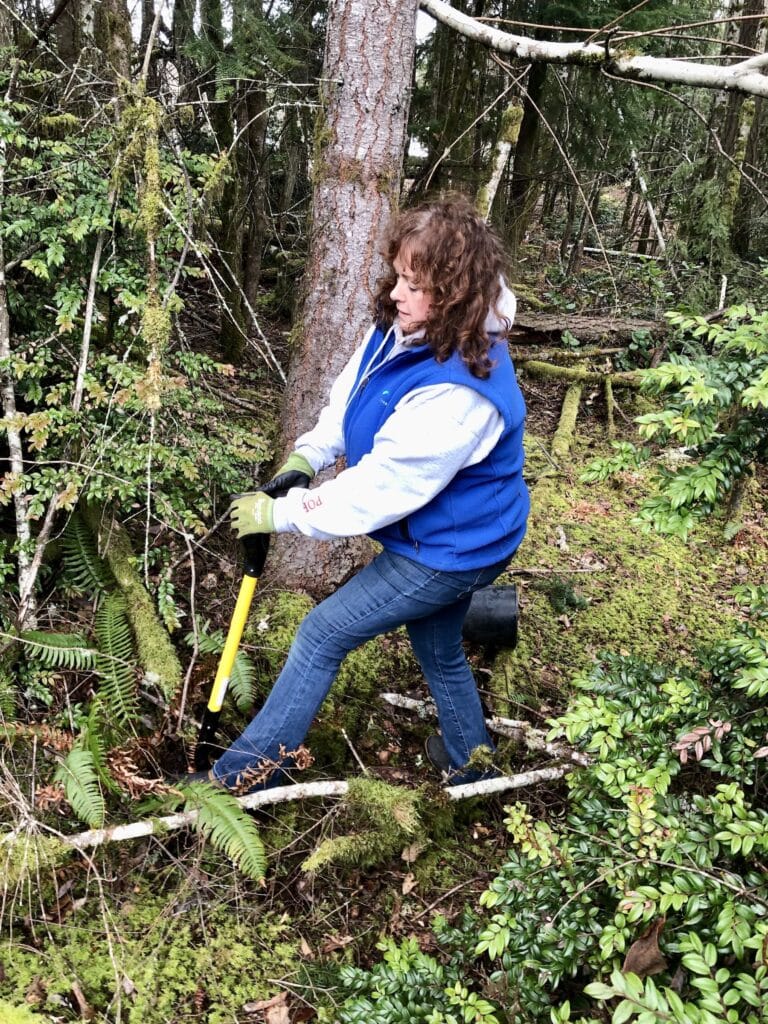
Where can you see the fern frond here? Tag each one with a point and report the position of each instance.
(7, 698)
(225, 824)
(115, 659)
(98, 737)
(79, 778)
(59, 650)
(84, 569)
(242, 680)
(207, 642)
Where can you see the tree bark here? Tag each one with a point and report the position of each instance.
(359, 144)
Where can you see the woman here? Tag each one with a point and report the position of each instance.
(430, 418)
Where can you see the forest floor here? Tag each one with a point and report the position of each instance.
(163, 930)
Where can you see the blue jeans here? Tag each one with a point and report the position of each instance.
(387, 593)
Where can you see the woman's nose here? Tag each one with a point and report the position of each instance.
(394, 293)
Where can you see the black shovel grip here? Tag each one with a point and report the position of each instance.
(255, 551)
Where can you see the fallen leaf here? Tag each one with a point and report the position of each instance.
(306, 949)
(87, 1012)
(409, 884)
(275, 1010)
(644, 956)
(336, 942)
(412, 852)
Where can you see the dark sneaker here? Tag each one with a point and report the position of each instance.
(437, 755)
(184, 778)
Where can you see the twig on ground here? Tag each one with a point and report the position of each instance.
(518, 730)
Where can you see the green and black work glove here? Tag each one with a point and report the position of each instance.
(251, 513)
(295, 472)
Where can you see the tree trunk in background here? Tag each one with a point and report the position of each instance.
(183, 35)
(147, 21)
(112, 36)
(360, 140)
(228, 231)
(525, 184)
(6, 31)
(744, 213)
(745, 199)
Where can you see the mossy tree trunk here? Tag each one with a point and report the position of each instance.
(360, 139)
(156, 653)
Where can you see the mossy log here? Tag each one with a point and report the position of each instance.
(548, 329)
(565, 355)
(561, 442)
(610, 406)
(537, 368)
(156, 653)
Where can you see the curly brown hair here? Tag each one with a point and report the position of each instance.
(459, 260)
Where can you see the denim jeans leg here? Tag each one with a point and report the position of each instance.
(390, 591)
(436, 642)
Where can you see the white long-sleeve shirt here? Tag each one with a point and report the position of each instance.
(432, 433)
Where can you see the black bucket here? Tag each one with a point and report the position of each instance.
(492, 617)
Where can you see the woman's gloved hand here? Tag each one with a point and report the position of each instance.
(295, 472)
(251, 513)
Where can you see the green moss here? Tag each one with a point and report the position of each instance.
(643, 594)
(10, 1014)
(28, 857)
(169, 959)
(382, 819)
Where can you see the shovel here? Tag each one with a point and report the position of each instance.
(255, 548)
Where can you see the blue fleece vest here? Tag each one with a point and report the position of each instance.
(479, 518)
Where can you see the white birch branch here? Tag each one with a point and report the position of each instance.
(487, 787)
(745, 77)
(518, 730)
(11, 416)
(283, 794)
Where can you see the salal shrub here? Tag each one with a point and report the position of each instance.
(647, 900)
(714, 389)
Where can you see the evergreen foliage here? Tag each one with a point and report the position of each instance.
(715, 392)
(580, 896)
(227, 826)
(84, 568)
(115, 661)
(80, 778)
(59, 650)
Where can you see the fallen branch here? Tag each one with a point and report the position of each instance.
(564, 355)
(486, 787)
(745, 76)
(549, 328)
(518, 730)
(536, 368)
(566, 427)
(283, 794)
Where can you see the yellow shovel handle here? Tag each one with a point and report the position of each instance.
(236, 627)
